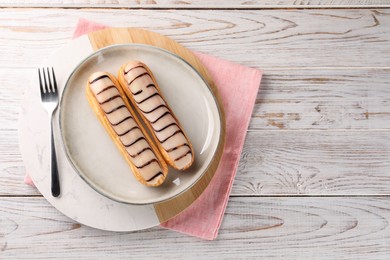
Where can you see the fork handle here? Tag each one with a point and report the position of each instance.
(55, 181)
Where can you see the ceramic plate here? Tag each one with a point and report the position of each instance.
(77, 151)
(94, 155)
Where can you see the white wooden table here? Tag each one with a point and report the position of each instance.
(314, 176)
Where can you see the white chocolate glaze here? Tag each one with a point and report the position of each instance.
(174, 141)
(122, 122)
(124, 126)
(155, 110)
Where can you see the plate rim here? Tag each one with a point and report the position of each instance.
(67, 153)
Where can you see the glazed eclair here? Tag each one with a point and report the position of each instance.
(111, 106)
(142, 90)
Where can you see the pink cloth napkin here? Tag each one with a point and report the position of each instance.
(238, 86)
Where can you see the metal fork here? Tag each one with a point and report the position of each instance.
(49, 97)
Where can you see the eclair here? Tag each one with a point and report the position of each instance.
(114, 111)
(144, 93)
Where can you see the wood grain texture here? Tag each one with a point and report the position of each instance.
(314, 163)
(253, 228)
(300, 99)
(11, 92)
(12, 170)
(317, 129)
(276, 163)
(204, 4)
(323, 99)
(279, 161)
(262, 39)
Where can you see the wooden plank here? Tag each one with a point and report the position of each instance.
(13, 83)
(323, 99)
(314, 163)
(301, 99)
(262, 39)
(253, 228)
(275, 163)
(204, 4)
(12, 169)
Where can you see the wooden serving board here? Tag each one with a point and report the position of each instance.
(103, 38)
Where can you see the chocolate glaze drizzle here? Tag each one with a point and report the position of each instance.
(121, 106)
(128, 131)
(176, 132)
(139, 76)
(134, 142)
(140, 66)
(143, 150)
(106, 88)
(98, 78)
(121, 121)
(177, 147)
(160, 106)
(182, 156)
(109, 99)
(155, 121)
(158, 174)
(165, 127)
(147, 163)
(115, 109)
(153, 109)
(143, 100)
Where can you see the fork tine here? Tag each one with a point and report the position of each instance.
(54, 80)
(45, 81)
(40, 83)
(48, 79)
